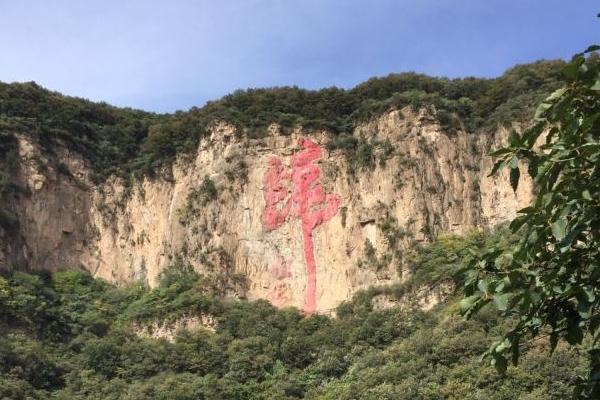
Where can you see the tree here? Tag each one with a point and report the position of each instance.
(550, 281)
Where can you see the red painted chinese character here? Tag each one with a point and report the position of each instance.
(310, 204)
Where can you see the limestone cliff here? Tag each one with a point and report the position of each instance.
(306, 226)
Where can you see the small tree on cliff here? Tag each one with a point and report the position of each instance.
(550, 282)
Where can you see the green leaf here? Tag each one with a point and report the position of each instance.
(541, 111)
(556, 94)
(574, 334)
(514, 140)
(468, 303)
(500, 152)
(515, 351)
(501, 301)
(569, 237)
(589, 292)
(482, 285)
(593, 47)
(515, 278)
(515, 174)
(499, 165)
(531, 135)
(559, 228)
(500, 363)
(584, 310)
(503, 345)
(570, 71)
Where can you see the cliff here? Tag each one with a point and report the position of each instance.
(299, 197)
(286, 217)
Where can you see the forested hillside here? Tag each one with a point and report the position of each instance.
(68, 336)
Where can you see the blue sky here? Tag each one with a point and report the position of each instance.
(171, 55)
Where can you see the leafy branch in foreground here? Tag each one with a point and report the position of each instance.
(550, 281)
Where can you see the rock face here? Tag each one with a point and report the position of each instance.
(169, 329)
(306, 226)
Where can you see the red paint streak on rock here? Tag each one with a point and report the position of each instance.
(279, 292)
(311, 205)
(275, 192)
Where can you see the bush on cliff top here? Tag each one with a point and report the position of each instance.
(124, 141)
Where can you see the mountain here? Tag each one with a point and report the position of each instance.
(298, 197)
(157, 256)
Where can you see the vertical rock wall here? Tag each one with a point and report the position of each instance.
(306, 227)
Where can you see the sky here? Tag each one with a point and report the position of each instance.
(171, 55)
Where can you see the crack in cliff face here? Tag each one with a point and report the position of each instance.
(268, 216)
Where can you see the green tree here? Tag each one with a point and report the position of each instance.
(550, 281)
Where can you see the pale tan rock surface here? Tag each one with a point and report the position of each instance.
(168, 329)
(435, 182)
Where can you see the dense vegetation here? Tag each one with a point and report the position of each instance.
(8, 164)
(550, 281)
(125, 141)
(68, 336)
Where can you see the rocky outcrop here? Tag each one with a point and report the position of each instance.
(168, 329)
(306, 226)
